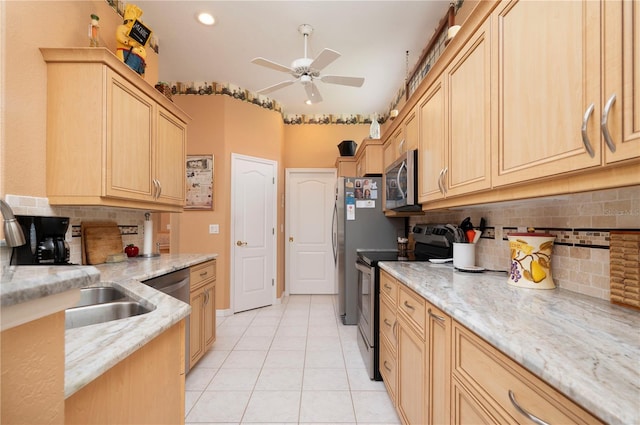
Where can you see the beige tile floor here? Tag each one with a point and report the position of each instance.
(289, 363)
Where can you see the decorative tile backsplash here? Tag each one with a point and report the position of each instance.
(131, 222)
(581, 223)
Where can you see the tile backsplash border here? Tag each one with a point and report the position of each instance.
(130, 221)
(581, 223)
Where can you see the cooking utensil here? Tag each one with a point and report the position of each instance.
(466, 224)
(471, 235)
(477, 236)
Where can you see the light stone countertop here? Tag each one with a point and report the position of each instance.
(20, 284)
(92, 350)
(585, 347)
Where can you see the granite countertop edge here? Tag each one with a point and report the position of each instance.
(582, 346)
(92, 350)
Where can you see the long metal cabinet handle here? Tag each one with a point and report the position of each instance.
(440, 181)
(386, 322)
(155, 189)
(386, 286)
(393, 331)
(406, 304)
(435, 316)
(604, 123)
(159, 189)
(585, 136)
(444, 176)
(387, 367)
(529, 416)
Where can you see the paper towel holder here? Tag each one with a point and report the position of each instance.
(147, 218)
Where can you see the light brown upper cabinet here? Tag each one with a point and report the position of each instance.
(621, 65)
(548, 89)
(455, 125)
(112, 138)
(369, 158)
(431, 154)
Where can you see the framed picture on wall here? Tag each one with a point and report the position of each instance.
(199, 194)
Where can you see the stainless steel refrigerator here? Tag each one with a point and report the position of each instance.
(358, 224)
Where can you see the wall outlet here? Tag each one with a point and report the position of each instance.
(214, 229)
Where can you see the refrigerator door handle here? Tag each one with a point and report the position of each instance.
(334, 233)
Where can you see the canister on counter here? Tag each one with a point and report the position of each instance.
(531, 260)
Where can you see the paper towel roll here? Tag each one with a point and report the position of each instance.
(148, 237)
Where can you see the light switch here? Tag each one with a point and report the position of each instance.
(214, 229)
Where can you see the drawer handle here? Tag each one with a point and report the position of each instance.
(435, 316)
(203, 274)
(585, 135)
(386, 322)
(386, 286)
(528, 415)
(387, 367)
(406, 304)
(393, 331)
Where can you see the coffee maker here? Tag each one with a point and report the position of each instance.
(46, 243)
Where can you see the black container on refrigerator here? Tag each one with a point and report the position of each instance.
(46, 243)
(358, 223)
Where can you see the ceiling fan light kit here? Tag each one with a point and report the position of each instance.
(305, 70)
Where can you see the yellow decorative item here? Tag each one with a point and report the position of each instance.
(531, 260)
(131, 37)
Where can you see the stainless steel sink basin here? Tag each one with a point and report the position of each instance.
(99, 313)
(99, 295)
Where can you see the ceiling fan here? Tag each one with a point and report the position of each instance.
(306, 70)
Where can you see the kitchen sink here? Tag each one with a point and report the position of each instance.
(99, 313)
(99, 295)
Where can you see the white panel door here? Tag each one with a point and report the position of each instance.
(253, 221)
(310, 265)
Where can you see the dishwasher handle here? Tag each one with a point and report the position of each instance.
(172, 288)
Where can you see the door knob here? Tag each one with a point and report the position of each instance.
(290, 238)
(240, 243)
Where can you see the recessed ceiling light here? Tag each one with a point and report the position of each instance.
(206, 18)
(308, 102)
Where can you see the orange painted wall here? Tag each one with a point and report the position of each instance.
(315, 145)
(24, 85)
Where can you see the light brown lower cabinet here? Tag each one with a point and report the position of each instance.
(145, 388)
(202, 327)
(499, 384)
(415, 361)
(436, 371)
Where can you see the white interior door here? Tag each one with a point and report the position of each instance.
(253, 223)
(310, 265)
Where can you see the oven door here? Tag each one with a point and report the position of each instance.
(366, 300)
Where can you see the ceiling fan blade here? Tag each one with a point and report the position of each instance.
(345, 81)
(323, 59)
(271, 64)
(276, 86)
(313, 95)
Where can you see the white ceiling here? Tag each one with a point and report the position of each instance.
(372, 37)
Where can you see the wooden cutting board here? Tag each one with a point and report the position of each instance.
(99, 240)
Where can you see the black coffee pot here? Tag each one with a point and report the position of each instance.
(46, 243)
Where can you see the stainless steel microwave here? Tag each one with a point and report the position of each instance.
(401, 183)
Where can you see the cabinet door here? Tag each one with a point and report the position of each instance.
(621, 58)
(412, 375)
(548, 67)
(468, 88)
(410, 133)
(439, 364)
(209, 315)
(170, 158)
(431, 155)
(196, 325)
(466, 410)
(130, 116)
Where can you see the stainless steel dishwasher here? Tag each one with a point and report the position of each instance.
(177, 285)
